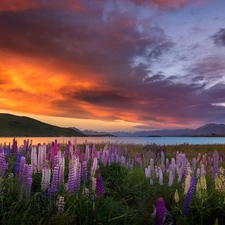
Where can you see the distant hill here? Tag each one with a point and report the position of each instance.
(20, 126)
(208, 130)
(92, 133)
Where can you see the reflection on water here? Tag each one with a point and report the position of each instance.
(123, 140)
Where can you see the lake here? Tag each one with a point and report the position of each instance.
(123, 140)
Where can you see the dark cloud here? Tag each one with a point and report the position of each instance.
(219, 37)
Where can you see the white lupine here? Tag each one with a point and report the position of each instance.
(94, 166)
(62, 169)
(41, 157)
(46, 177)
(34, 158)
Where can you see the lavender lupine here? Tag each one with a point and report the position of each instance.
(188, 197)
(160, 211)
(171, 178)
(160, 176)
(94, 166)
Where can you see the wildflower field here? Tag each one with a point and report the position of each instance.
(111, 184)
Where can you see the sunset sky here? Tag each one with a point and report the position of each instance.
(114, 65)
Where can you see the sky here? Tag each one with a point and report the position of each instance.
(111, 65)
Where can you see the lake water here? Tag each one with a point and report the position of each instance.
(123, 140)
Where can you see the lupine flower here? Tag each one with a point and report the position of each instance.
(3, 164)
(160, 176)
(85, 192)
(203, 182)
(46, 177)
(187, 183)
(71, 178)
(93, 179)
(198, 190)
(160, 211)
(18, 158)
(34, 158)
(77, 177)
(171, 178)
(215, 164)
(55, 181)
(84, 174)
(188, 197)
(99, 186)
(176, 196)
(61, 205)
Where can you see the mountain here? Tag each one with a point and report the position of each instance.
(20, 126)
(209, 130)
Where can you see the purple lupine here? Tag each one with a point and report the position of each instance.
(17, 164)
(77, 177)
(160, 211)
(55, 181)
(3, 165)
(188, 197)
(99, 186)
(28, 182)
(84, 174)
(21, 169)
(71, 179)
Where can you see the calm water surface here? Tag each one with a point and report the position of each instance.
(124, 140)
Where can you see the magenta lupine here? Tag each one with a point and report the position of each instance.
(160, 211)
(188, 197)
(99, 186)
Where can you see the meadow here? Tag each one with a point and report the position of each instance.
(111, 184)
